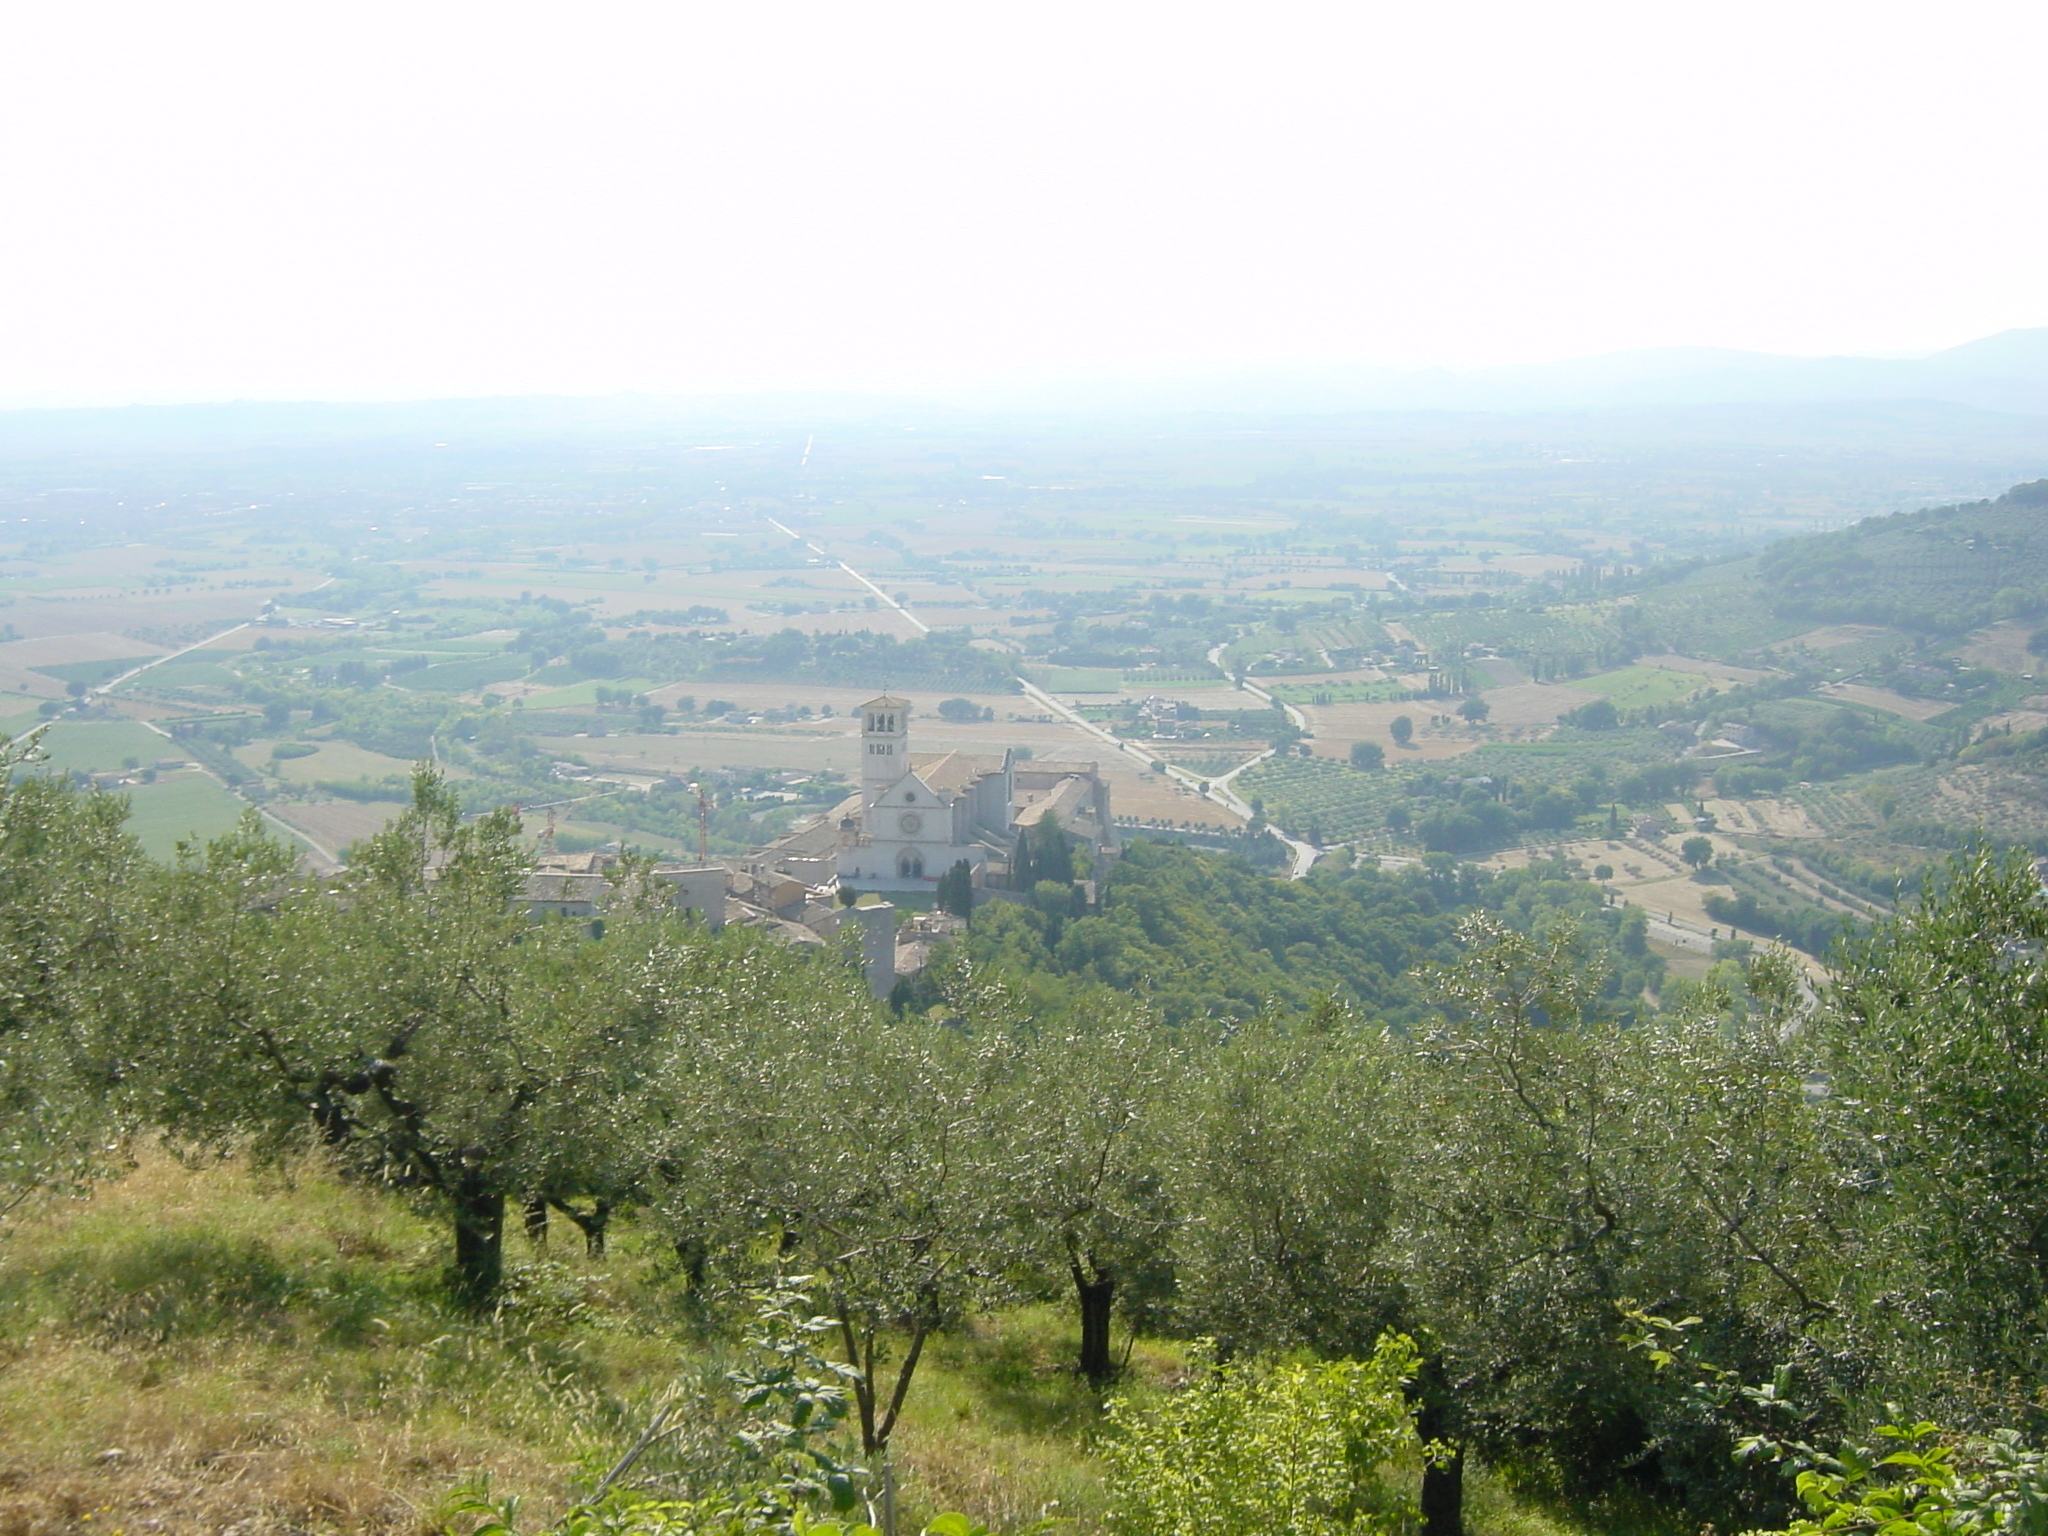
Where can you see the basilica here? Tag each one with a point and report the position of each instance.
(918, 814)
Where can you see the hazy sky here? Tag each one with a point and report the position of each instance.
(301, 198)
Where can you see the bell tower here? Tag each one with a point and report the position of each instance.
(884, 745)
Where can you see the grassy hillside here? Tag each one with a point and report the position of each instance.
(192, 1349)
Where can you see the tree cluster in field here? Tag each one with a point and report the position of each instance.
(1463, 812)
(1815, 742)
(1550, 642)
(569, 646)
(1491, 796)
(1505, 1165)
(1109, 629)
(741, 818)
(1813, 929)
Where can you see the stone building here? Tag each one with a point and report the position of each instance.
(917, 814)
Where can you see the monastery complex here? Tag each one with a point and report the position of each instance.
(915, 816)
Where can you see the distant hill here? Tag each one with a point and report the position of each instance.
(2007, 372)
(1941, 571)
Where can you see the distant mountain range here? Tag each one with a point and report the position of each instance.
(2007, 372)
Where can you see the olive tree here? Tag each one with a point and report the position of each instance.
(1285, 1158)
(410, 1017)
(1086, 1166)
(69, 873)
(1562, 1165)
(805, 1125)
(1935, 1042)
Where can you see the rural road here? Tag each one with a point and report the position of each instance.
(157, 661)
(783, 528)
(290, 831)
(1304, 854)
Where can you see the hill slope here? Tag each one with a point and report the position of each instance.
(1943, 570)
(1940, 572)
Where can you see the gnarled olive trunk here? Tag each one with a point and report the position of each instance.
(1443, 1495)
(479, 1241)
(1096, 1291)
(592, 1223)
(694, 1254)
(1443, 1478)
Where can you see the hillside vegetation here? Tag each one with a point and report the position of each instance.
(1944, 570)
(880, 1260)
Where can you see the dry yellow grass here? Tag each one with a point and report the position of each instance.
(195, 1352)
(1337, 726)
(1885, 699)
(191, 1351)
(335, 824)
(2003, 648)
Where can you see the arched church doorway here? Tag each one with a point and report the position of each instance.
(910, 865)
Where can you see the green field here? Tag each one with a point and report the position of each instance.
(89, 672)
(1642, 687)
(1077, 679)
(187, 672)
(336, 760)
(178, 806)
(581, 694)
(94, 746)
(465, 646)
(18, 713)
(471, 672)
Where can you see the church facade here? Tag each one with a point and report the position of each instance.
(919, 816)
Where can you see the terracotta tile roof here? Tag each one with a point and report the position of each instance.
(953, 770)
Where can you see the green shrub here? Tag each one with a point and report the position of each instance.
(1918, 1480)
(1257, 1449)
